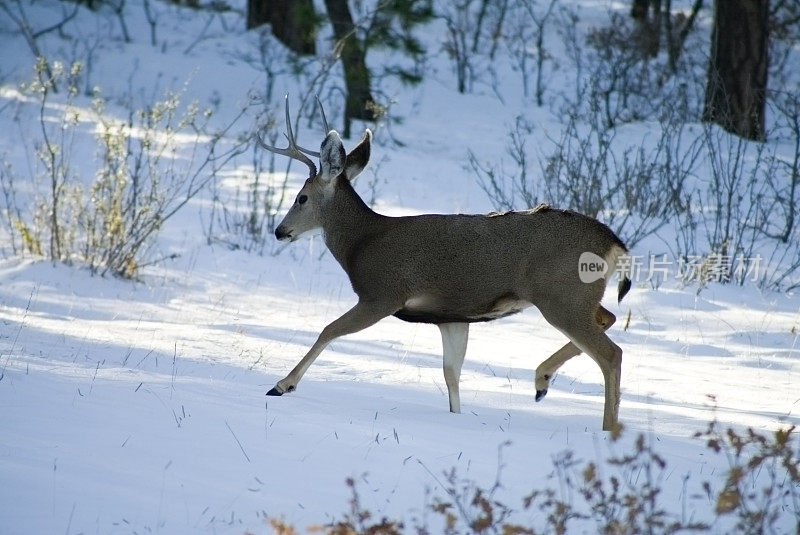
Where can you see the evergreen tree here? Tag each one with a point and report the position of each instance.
(389, 25)
(293, 22)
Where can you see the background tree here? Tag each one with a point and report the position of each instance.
(648, 14)
(389, 25)
(737, 72)
(294, 22)
(353, 54)
(656, 19)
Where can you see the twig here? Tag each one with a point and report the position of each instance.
(237, 441)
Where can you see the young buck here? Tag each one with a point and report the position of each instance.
(452, 270)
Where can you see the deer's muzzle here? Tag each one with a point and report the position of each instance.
(282, 234)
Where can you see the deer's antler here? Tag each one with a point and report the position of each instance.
(324, 128)
(292, 151)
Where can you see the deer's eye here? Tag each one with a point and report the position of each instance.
(302, 198)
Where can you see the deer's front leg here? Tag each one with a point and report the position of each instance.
(356, 319)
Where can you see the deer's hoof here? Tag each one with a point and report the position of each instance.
(275, 392)
(540, 394)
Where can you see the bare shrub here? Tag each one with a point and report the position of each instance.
(145, 176)
(785, 182)
(54, 152)
(525, 41)
(146, 169)
(630, 501)
(267, 56)
(15, 10)
(459, 19)
(634, 190)
(360, 520)
(784, 31)
(618, 76)
(509, 189)
(478, 508)
(746, 209)
(246, 217)
(784, 187)
(20, 236)
(622, 84)
(733, 220)
(474, 31)
(758, 492)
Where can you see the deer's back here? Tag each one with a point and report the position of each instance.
(446, 268)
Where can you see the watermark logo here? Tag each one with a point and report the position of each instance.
(658, 268)
(591, 267)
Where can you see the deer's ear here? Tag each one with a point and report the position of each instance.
(359, 156)
(332, 157)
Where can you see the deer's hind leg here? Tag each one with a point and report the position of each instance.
(587, 335)
(548, 368)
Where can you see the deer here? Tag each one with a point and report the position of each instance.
(453, 270)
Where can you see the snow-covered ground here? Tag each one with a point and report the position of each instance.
(138, 406)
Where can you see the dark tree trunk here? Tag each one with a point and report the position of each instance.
(356, 74)
(639, 9)
(294, 22)
(737, 71)
(648, 26)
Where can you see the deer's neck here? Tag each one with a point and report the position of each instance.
(348, 221)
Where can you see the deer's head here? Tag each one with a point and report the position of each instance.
(306, 214)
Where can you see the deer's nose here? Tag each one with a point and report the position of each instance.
(281, 233)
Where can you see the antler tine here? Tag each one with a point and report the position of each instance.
(324, 127)
(292, 151)
(324, 120)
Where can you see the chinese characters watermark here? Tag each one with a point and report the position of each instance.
(658, 268)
